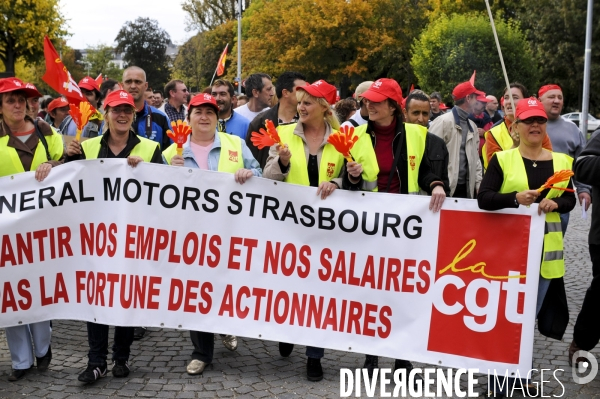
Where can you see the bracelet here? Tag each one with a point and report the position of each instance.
(516, 202)
(436, 184)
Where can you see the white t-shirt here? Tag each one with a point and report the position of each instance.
(356, 118)
(246, 113)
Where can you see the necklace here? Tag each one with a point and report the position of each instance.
(535, 160)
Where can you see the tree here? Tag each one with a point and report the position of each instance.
(144, 43)
(451, 48)
(23, 25)
(206, 15)
(99, 58)
(197, 58)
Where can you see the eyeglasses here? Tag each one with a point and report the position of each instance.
(531, 121)
(118, 110)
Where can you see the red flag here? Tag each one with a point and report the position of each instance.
(58, 77)
(221, 63)
(99, 80)
(472, 80)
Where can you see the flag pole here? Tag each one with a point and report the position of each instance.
(501, 58)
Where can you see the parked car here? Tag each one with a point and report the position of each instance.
(575, 117)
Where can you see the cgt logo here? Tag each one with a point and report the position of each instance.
(479, 291)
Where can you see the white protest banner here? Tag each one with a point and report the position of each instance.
(183, 248)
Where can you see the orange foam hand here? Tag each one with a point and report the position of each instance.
(558, 177)
(343, 141)
(81, 115)
(179, 134)
(272, 131)
(266, 138)
(261, 139)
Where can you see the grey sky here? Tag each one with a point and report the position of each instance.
(93, 23)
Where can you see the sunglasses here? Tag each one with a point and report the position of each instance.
(529, 121)
(126, 110)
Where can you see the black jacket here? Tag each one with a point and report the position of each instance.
(105, 152)
(258, 122)
(587, 171)
(433, 151)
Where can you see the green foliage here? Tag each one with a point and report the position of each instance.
(206, 15)
(99, 58)
(23, 25)
(197, 58)
(145, 44)
(451, 48)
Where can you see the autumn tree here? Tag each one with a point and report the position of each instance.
(99, 59)
(145, 43)
(204, 15)
(451, 48)
(24, 24)
(197, 58)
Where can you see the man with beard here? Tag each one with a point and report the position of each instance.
(229, 121)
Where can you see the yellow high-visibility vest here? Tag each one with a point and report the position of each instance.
(230, 157)
(502, 136)
(416, 135)
(515, 179)
(10, 163)
(144, 149)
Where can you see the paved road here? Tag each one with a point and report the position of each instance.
(256, 369)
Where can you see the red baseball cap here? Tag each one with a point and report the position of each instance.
(382, 89)
(463, 90)
(321, 89)
(57, 103)
(481, 96)
(443, 106)
(13, 84)
(544, 89)
(89, 83)
(204, 99)
(118, 97)
(530, 107)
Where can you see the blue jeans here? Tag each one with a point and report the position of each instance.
(564, 222)
(98, 342)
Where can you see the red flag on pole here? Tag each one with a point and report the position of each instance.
(99, 80)
(221, 64)
(58, 77)
(472, 80)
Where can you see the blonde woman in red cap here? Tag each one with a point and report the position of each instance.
(210, 150)
(119, 141)
(400, 149)
(26, 145)
(512, 179)
(307, 159)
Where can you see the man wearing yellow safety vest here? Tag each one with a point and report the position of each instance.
(499, 138)
(511, 180)
(119, 141)
(401, 153)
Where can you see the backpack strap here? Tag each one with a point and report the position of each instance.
(353, 122)
(42, 139)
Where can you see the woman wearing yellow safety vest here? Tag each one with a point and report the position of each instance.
(26, 145)
(119, 141)
(206, 149)
(499, 138)
(512, 179)
(308, 159)
(400, 149)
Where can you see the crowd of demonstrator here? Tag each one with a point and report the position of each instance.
(496, 153)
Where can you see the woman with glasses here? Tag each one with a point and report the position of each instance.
(119, 141)
(512, 179)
